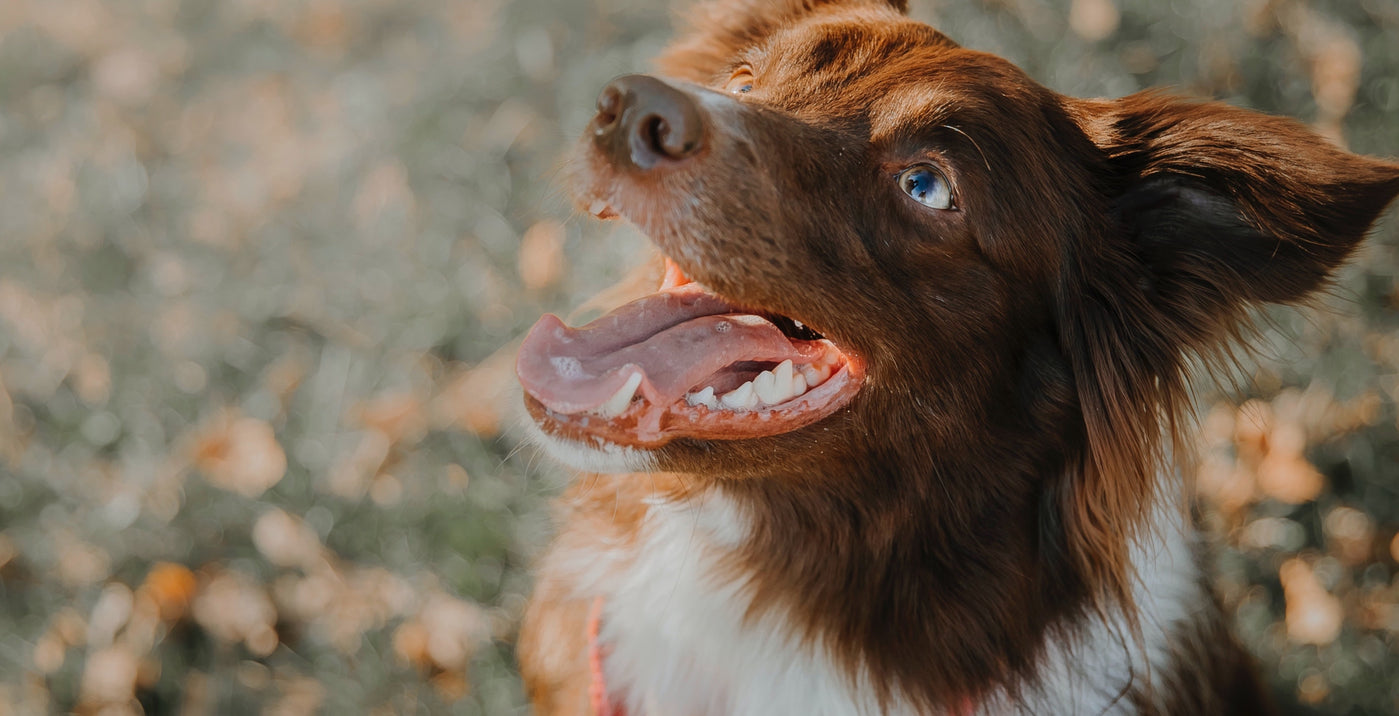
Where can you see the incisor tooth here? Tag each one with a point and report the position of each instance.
(622, 398)
(742, 398)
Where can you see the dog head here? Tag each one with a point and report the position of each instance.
(955, 280)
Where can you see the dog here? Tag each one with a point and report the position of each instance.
(896, 432)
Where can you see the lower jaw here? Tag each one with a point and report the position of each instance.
(649, 427)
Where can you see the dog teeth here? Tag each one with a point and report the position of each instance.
(622, 398)
(777, 385)
(783, 372)
(598, 208)
(798, 384)
(743, 398)
(765, 385)
(770, 387)
(790, 382)
(704, 397)
(816, 374)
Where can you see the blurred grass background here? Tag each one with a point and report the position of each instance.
(256, 255)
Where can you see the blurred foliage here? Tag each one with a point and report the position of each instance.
(257, 258)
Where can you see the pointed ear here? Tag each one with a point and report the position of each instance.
(715, 32)
(1214, 209)
(1228, 206)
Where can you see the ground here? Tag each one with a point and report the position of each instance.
(256, 257)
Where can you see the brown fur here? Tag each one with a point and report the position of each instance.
(1027, 353)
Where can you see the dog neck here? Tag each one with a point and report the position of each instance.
(718, 596)
(906, 574)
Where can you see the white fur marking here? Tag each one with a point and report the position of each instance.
(601, 456)
(679, 645)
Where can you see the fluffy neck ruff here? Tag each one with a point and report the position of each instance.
(719, 604)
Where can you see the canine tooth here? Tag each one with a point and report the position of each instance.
(770, 389)
(622, 398)
(704, 397)
(742, 398)
(798, 384)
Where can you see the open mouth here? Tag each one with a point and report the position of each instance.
(682, 362)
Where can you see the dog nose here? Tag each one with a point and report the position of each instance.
(646, 121)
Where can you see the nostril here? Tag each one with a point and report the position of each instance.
(644, 121)
(670, 138)
(674, 142)
(609, 107)
(655, 131)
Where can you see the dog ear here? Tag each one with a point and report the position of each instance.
(1226, 205)
(1214, 210)
(715, 32)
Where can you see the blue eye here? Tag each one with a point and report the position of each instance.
(927, 186)
(741, 82)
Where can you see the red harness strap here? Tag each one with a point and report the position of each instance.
(597, 681)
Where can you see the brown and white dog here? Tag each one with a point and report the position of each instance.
(894, 435)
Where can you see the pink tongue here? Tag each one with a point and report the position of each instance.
(675, 338)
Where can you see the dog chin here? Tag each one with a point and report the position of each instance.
(595, 455)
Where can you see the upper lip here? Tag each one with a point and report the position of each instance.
(603, 209)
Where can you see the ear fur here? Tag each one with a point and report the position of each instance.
(1216, 209)
(716, 31)
(1262, 198)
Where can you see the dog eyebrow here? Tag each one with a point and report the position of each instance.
(912, 110)
(853, 48)
(831, 50)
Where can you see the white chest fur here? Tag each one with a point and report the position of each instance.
(679, 644)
